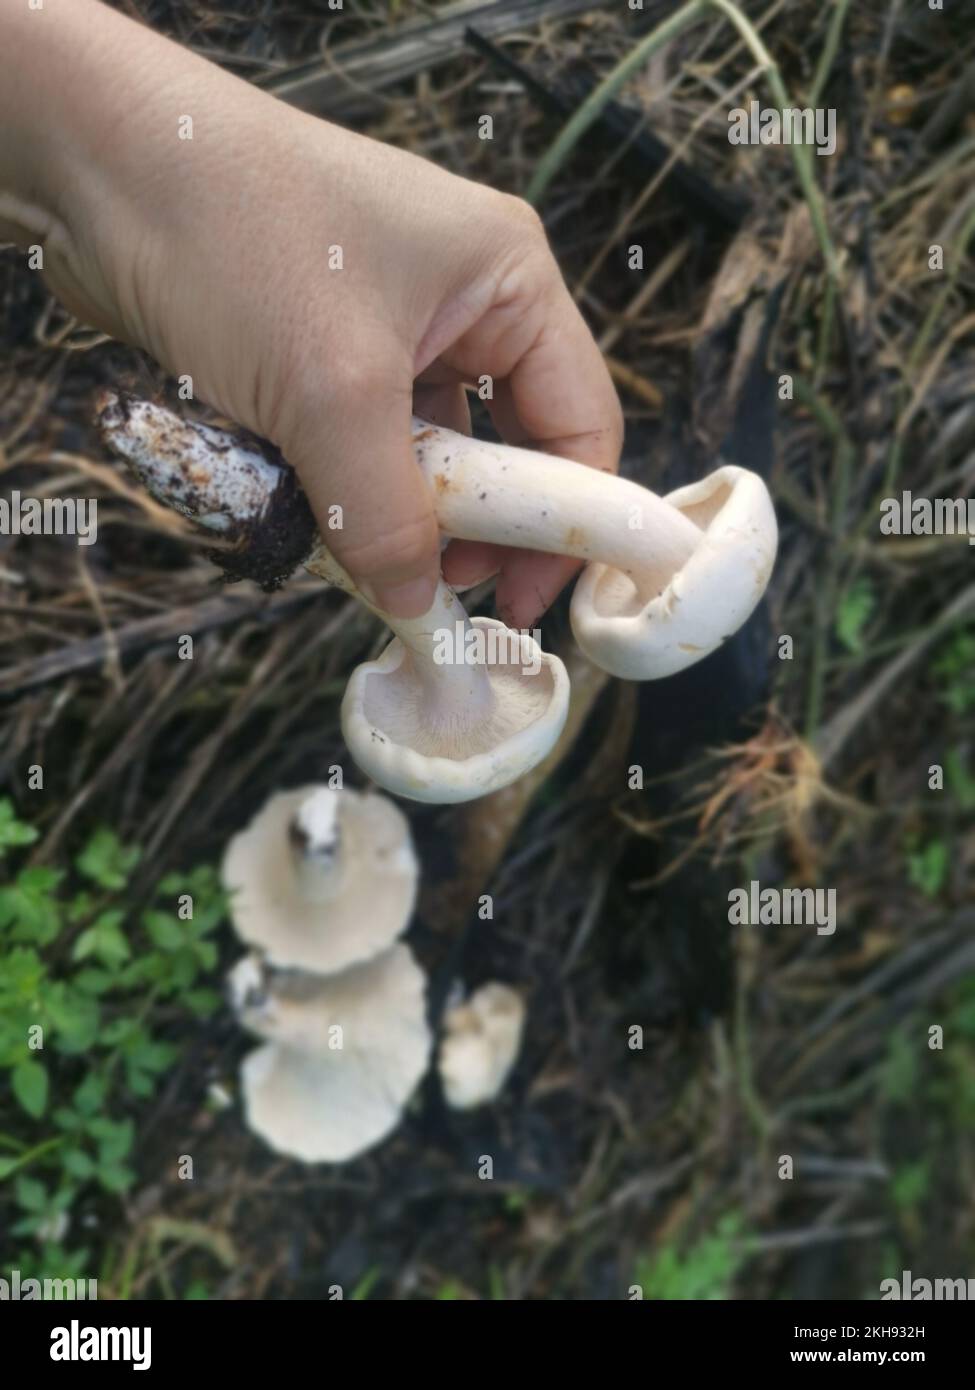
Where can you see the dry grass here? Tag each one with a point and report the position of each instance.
(610, 905)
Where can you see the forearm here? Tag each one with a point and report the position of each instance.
(92, 102)
(121, 150)
(114, 146)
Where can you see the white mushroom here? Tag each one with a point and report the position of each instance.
(480, 1045)
(627, 625)
(668, 579)
(322, 879)
(343, 1055)
(454, 707)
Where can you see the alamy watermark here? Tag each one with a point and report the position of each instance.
(77, 1343)
(763, 907)
(908, 515)
(49, 516)
(926, 1290)
(793, 125)
(69, 1290)
(488, 646)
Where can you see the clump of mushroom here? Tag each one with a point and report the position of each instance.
(480, 1045)
(321, 883)
(668, 580)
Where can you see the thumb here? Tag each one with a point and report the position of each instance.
(372, 504)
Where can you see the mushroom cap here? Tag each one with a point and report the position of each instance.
(374, 875)
(398, 739)
(315, 1101)
(652, 626)
(480, 1044)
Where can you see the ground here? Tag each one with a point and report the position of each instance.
(702, 1109)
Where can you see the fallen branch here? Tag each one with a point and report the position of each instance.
(348, 82)
(191, 618)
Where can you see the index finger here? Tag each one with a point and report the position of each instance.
(559, 397)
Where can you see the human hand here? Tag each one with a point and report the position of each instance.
(319, 287)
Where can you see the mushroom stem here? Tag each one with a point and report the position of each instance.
(316, 847)
(453, 684)
(238, 486)
(519, 497)
(316, 883)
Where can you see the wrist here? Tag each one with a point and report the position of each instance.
(106, 125)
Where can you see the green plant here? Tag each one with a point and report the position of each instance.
(955, 668)
(81, 976)
(960, 781)
(910, 1184)
(952, 1088)
(704, 1272)
(516, 1201)
(928, 1095)
(366, 1284)
(449, 1291)
(855, 609)
(927, 866)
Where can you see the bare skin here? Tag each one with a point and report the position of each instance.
(215, 255)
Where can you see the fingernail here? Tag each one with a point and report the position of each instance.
(459, 585)
(409, 599)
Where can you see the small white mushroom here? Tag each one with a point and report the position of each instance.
(480, 1045)
(342, 1055)
(322, 879)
